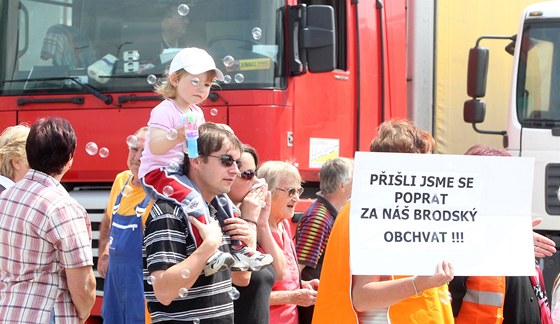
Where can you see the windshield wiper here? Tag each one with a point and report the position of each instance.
(130, 76)
(540, 122)
(106, 99)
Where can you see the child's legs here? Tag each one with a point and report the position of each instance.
(163, 184)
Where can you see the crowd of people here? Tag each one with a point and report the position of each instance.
(198, 231)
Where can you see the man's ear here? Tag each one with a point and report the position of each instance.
(68, 165)
(195, 162)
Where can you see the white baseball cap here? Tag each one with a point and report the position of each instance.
(195, 61)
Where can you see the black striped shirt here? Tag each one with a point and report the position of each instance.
(167, 242)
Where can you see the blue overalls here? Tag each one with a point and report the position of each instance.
(123, 300)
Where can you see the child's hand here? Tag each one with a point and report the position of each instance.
(181, 134)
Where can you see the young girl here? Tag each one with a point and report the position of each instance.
(191, 74)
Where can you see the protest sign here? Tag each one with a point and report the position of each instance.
(411, 211)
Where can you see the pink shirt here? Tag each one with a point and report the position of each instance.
(166, 116)
(287, 313)
(43, 231)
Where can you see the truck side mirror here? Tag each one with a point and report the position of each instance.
(318, 38)
(477, 72)
(474, 111)
(312, 42)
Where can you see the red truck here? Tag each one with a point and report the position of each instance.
(305, 80)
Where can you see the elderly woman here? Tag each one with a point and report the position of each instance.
(248, 192)
(284, 182)
(13, 159)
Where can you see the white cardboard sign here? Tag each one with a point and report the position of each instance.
(411, 211)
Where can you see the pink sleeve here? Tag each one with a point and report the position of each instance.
(164, 116)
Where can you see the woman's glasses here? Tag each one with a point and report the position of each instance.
(227, 160)
(292, 191)
(248, 175)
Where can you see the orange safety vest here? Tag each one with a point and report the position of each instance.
(431, 306)
(483, 301)
(334, 299)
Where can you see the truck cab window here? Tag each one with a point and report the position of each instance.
(538, 101)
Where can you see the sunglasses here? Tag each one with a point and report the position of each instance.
(248, 175)
(292, 191)
(227, 160)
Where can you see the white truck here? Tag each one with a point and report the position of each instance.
(534, 110)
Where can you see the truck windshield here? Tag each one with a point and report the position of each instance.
(538, 77)
(58, 46)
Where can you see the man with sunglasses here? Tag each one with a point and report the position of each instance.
(173, 261)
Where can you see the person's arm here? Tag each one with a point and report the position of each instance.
(267, 242)
(300, 297)
(166, 283)
(374, 292)
(81, 284)
(103, 251)
(160, 143)
(543, 245)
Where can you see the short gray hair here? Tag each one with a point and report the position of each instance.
(273, 171)
(334, 172)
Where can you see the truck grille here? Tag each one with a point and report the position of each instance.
(95, 216)
(552, 183)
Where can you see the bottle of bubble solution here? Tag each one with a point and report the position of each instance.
(191, 132)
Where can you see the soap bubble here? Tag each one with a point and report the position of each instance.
(91, 148)
(214, 112)
(152, 79)
(196, 321)
(234, 293)
(127, 190)
(239, 78)
(168, 191)
(227, 79)
(173, 166)
(183, 292)
(223, 201)
(228, 60)
(186, 273)
(103, 152)
(172, 134)
(257, 33)
(132, 141)
(183, 9)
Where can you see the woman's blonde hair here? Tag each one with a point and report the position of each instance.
(12, 146)
(273, 171)
(169, 91)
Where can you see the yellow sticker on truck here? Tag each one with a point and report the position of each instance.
(255, 64)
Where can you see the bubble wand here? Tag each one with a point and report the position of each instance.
(191, 133)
